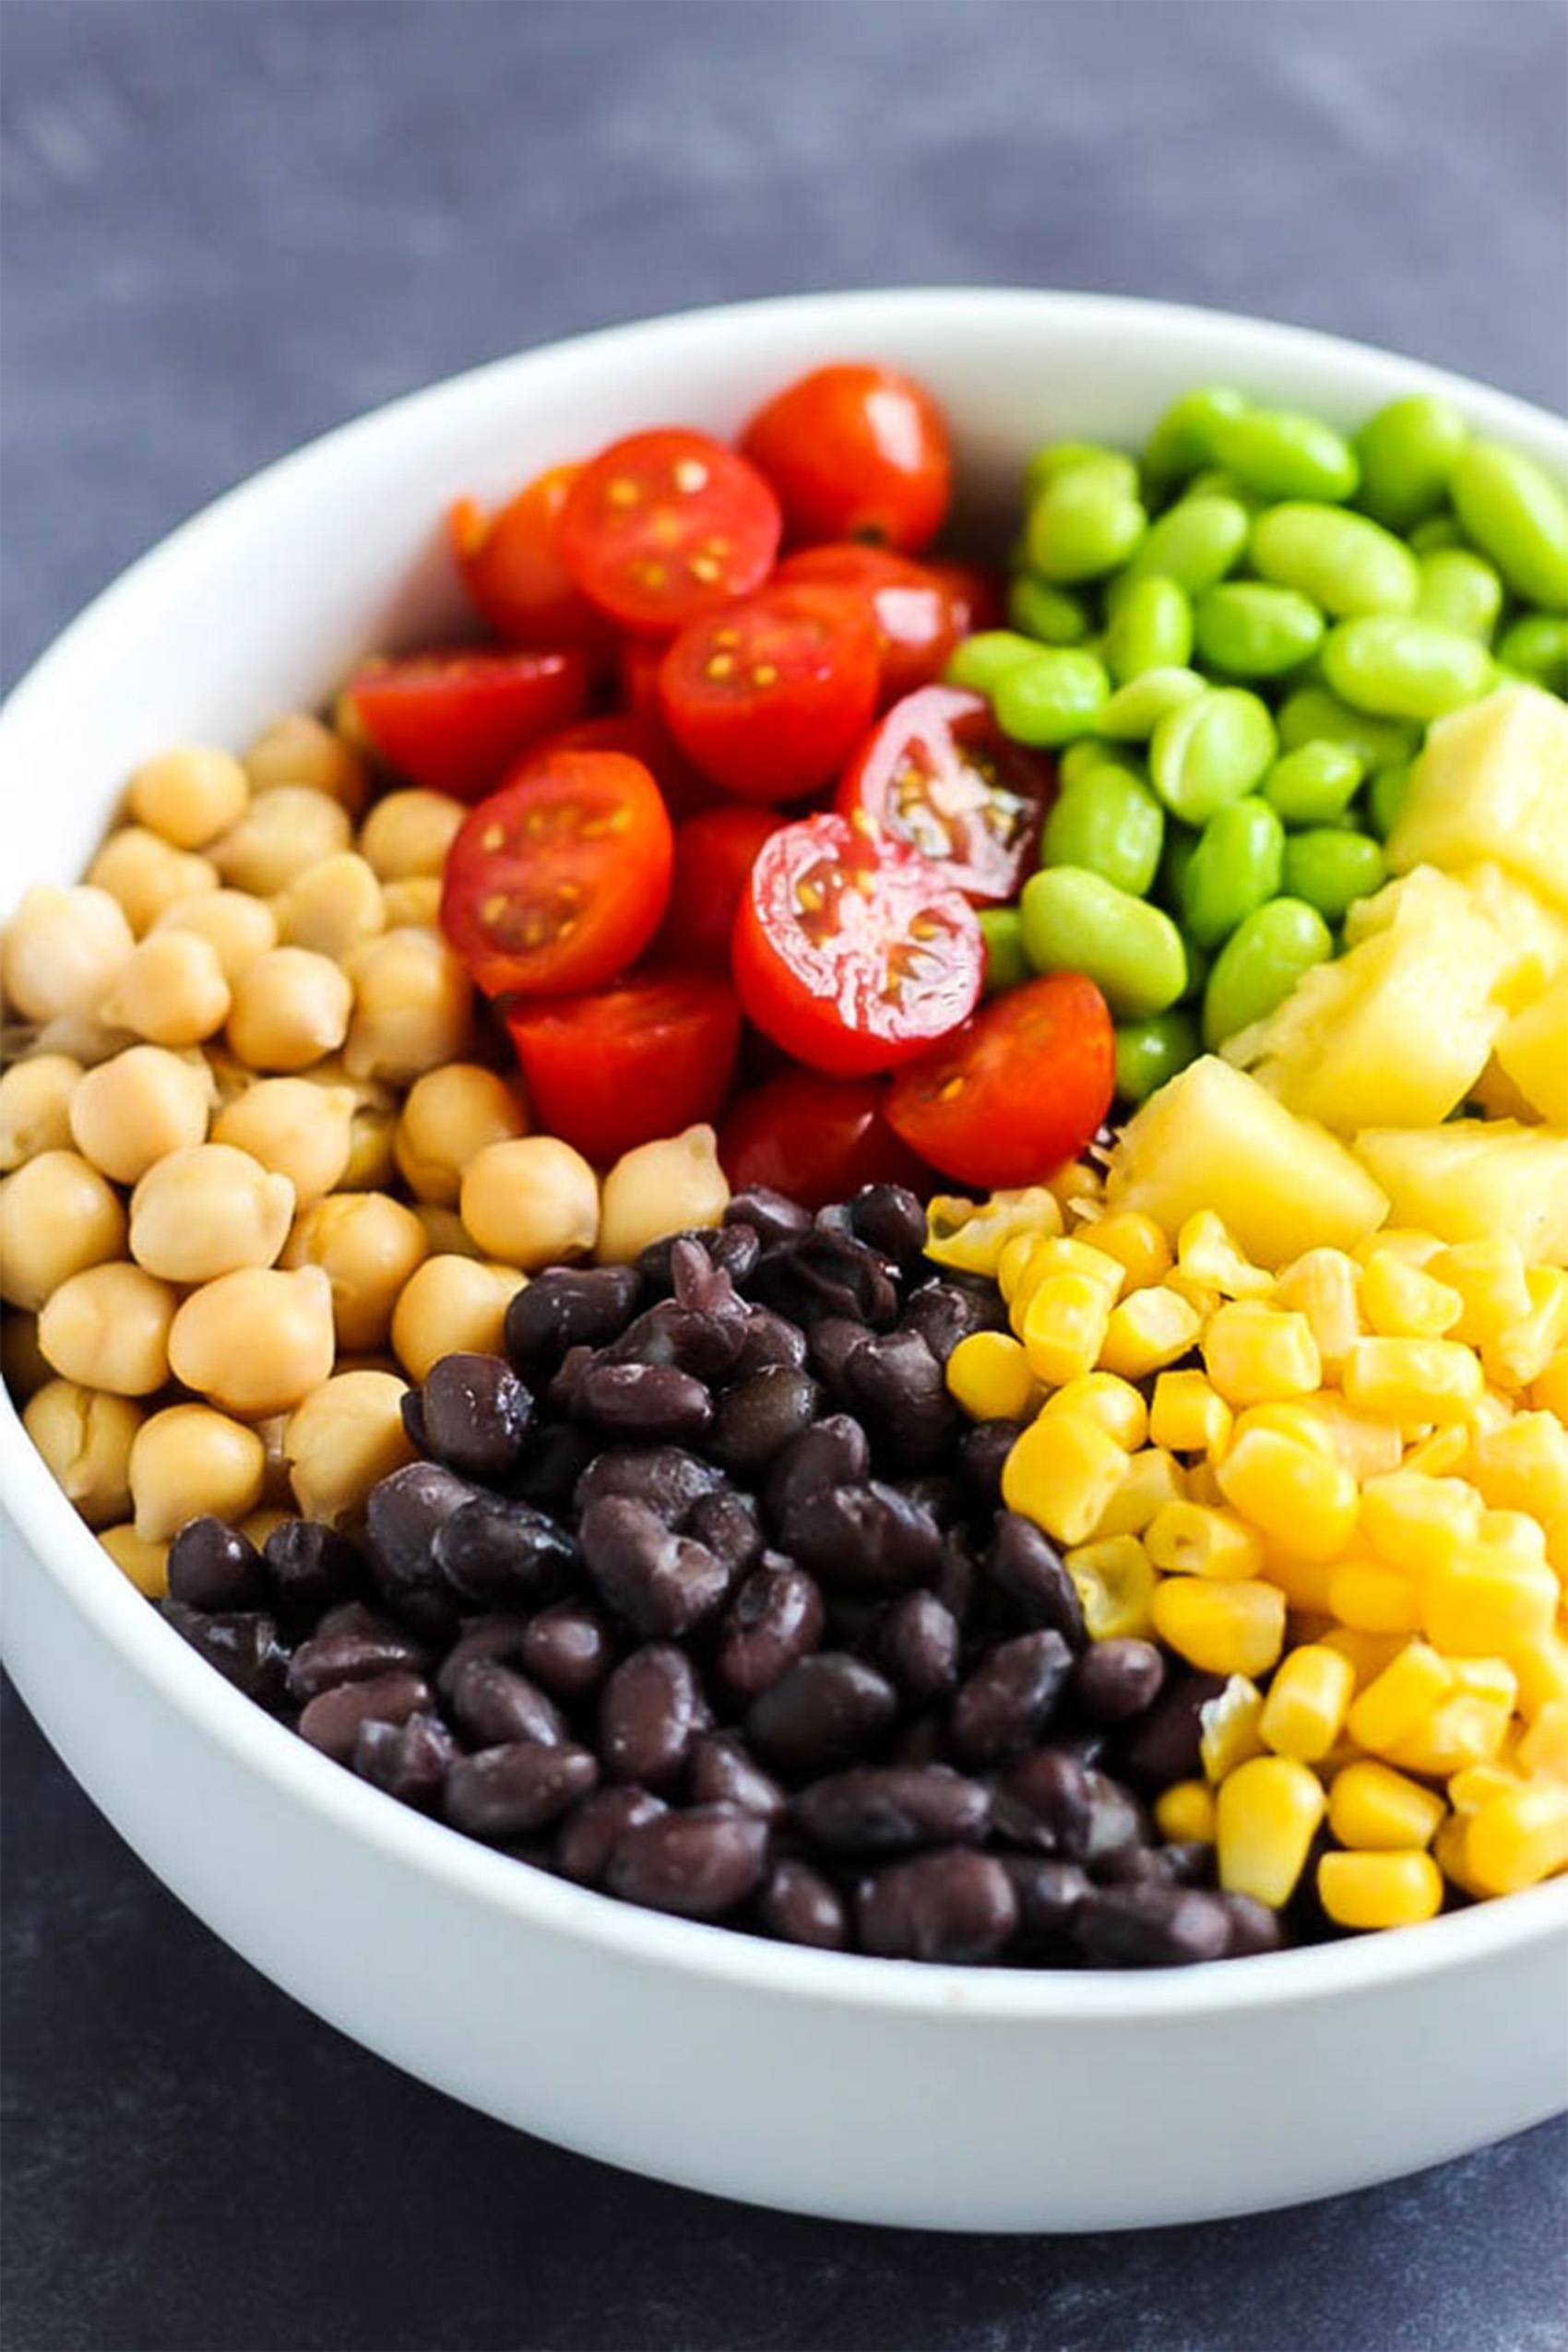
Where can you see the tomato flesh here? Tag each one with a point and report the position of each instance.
(713, 856)
(850, 951)
(616, 1069)
(855, 452)
(512, 570)
(665, 525)
(558, 882)
(939, 774)
(817, 1139)
(1019, 1090)
(455, 722)
(768, 696)
(920, 611)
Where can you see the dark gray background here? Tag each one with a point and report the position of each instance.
(229, 226)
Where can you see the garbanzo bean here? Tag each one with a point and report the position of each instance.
(368, 1245)
(241, 928)
(283, 831)
(85, 1437)
(188, 1460)
(290, 1008)
(81, 1035)
(57, 1216)
(146, 1565)
(445, 1231)
(257, 1525)
(450, 1305)
(147, 873)
(300, 1131)
(108, 1327)
(412, 903)
(450, 1114)
(35, 1106)
(257, 1341)
(531, 1201)
(331, 907)
(62, 949)
(171, 990)
(189, 795)
(660, 1188)
(139, 1107)
(413, 1007)
(343, 1437)
(22, 1362)
(409, 832)
(208, 1211)
(299, 749)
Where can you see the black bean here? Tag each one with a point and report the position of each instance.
(331, 1722)
(826, 1711)
(410, 1761)
(311, 1567)
(213, 1567)
(508, 1791)
(700, 1864)
(827, 1274)
(643, 1400)
(757, 1417)
(494, 1704)
(731, 1248)
(1011, 1697)
(1164, 1746)
(565, 1307)
(403, 1513)
(554, 1457)
(728, 1525)
(892, 1809)
(942, 1496)
(352, 1645)
(1028, 1567)
(769, 1339)
(775, 1618)
(895, 1383)
(651, 1713)
(586, 1837)
(771, 1216)
(705, 1346)
(570, 1648)
(863, 1535)
(412, 1412)
(724, 1772)
(829, 1345)
(953, 1906)
(982, 1455)
(922, 1742)
(500, 1636)
(1151, 1927)
(799, 1906)
(832, 1454)
(891, 1220)
(917, 1646)
(503, 1555)
(1190, 1863)
(1050, 1894)
(1114, 1680)
(1045, 1801)
(853, 1616)
(665, 1476)
(565, 1383)
(659, 1583)
(475, 1415)
(242, 1644)
(958, 1583)
(1254, 1928)
(948, 1310)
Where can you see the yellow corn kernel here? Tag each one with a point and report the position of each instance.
(972, 1238)
(1403, 1301)
(1371, 1806)
(1414, 1248)
(1365, 1593)
(1326, 1286)
(1041, 1261)
(1064, 1326)
(1493, 1411)
(1293, 1418)
(1115, 1404)
(1137, 1244)
(1399, 1699)
(1308, 1701)
(1011, 1261)
(1370, 1654)
(1202, 1484)
(1258, 1355)
(989, 1375)
(1303, 1500)
(1194, 1540)
(1369, 1448)
(1202, 1297)
(1557, 1546)
(1205, 1254)
(1519, 1355)
(1184, 1813)
(1490, 1277)
(1543, 1750)
(1266, 1816)
(1061, 1473)
(1488, 1598)
(1447, 1449)
(1414, 1521)
(1516, 1841)
(1380, 1890)
(1188, 1414)
(1114, 1581)
(1469, 1726)
(1079, 1187)
(1152, 1481)
(1228, 1727)
(1476, 1786)
(1236, 1628)
(1306, 1583)
(1450, 1851)
(1148, 1331)
(1413, 1380)
(1548, 1390)
(1542, 1669)
(1524, 1466)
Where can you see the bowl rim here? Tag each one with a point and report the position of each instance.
(68, 1550)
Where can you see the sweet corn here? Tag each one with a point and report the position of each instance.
(1486, 1598)
(1205, 1254)
(1115, 1404)
(1202, 1297)
(1292, 1418)
(1063, 1325)
(1267, 1815)
(1413, 1521)
(1412, 1379)
(1326, 1286)
(1415, 1248)
(1306, 1583)
(1451, 1851)
(1370, 1654)
(1447, 1449)
(972, 1238)
(989, 1375)
(1308, 1701)
(1189, 1415)
(1137, 1244)
(1369, 1596)
(1524, 1466)
(1011, 1262)
(1195, 1539)
(1202, 1484)
(1542, 1669)
(1061, 1473)
(1040, 1261)
(1401, 1698)
(1115, 1584)
(1228, 1727)
(1150, 1481)
(1474, 1787)
(1470, 1726)
(1515, 1840)
(1147, 1331)
(1488, 1277)
(1298, 1497)
(1380, 1890)
(1255, 1355)
(1548, 1390)
(1224, 1628)
(1184, 1813)
(1543, 1750)
(1369, 1805)
(1402, 1301)
(1522, 1353)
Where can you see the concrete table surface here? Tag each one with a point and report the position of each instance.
(229, 227)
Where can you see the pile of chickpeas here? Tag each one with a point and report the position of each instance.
(265, 1161)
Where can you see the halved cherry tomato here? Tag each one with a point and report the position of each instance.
(850, 951)
(817, 1139)
(769, 695)
(713, 856)
(940, 775)
(1018, 1091)
(512, 567)
(984, 592)
(612, 1070)
(457, 720)
(684, 788)
(855, 452)
(558, 882)
(920, 611)
(664, 524)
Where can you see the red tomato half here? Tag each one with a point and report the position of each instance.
(684, 788)
(855, 452)
(850, 951)
(665, 525)
(613, 1070)
(817, 1139)
(512, 567)
(940, 775)
(713, 856)
(457, 720)
(769, 695)
(1018, 1091)
(920, 611)
(559, 881)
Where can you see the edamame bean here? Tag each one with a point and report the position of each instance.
(1183, 439)
(1516, 514)
(1055, 615)
(1404, 668)
(1537, 646)
(1148, 1053)
(1385, 796)
(1152, 629)
(1460, 590)
(1195, 543)
(1407, 452)
(1006, 966)
(1313, 783)
(978, 661)
(1255, 631)
(1437, 532)
(1077, 922)
(1109, 823)
(1215, 482)
(1058, 458)
(1086, 522)
(1331, 866)
(1211, 750)
(1260, 964)
(1235, 867)
(1089, 752)
(1135, 709)
(1343, 562)
(1181, 840)
(1052, 698)
(1282, 453)
(1312, 714)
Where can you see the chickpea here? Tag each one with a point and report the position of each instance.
(299, 1130)
(257, 1525)
(290, 1008)
(134, 1110)
(368, 1244)
(283, 831)
(22, 1360)
(450, 1114)
(188, 1460)
(147, 873)
(345, 1436)
(85, 1437)
(447, 1233)
(57, 1216)
(145, 1564)
(189, 795)
(660, 1188)
(255, 1342)
(275, 1486)
(409, 832)
(413, 1007)
(171, 990)
(412, 904)
(350, 727)
(35, 1106)
(208, 1211)
(300, 749)
(108, 1327)
(531, 1201)
(81, 1035)
(451, 1304)
(332, 907)
(61, 950)
(237, 926)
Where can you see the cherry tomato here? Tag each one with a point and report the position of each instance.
(855, 452)
(1018, 1091)
(921, 610)
(684, 788)
(612, 1070)
(984, 592)
(511, 566)
(558, 882)
(665, 525)
(850, 951)
(817, 1139)
(769, 695)
(457, 720)
(713, 856)
(939, 773)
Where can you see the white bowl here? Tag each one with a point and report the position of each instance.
(865, 2089)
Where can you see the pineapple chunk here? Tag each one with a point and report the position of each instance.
(1474, 1181)
(1532, 1051)
(1213, 1138)
(1536, 933)
(1492, 783)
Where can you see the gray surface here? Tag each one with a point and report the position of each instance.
(227, 227)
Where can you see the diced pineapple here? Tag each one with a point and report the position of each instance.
(1532, 1051)
(1213, 1138)
(1475, 1179)
(1495, 1094)
(1492, 783)
(1536, 933)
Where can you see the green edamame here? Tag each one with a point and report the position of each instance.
(1195, 543)
(1403, 668)
(1058, 458)
(1312, 714)
(1331, 867)
(1460, 590)
(1052, 697)
(1006, 966)
(1342, 561)
(1089, 752)
(1537, 646)
(1077, 922)
(1055, 615)
(1108, 823)
(1437, 532)
(1283, 453)
(1183, 439)
(1260, 964)
(1406, 453)
(1135, 709)
(1315, 782)
(1235, 867)
(1386, 797)
(1211, 750)
(1152, 629)
(1086, 522)
(1255, 631)
(978, 661)
(1516, 514)
(1148, 1053)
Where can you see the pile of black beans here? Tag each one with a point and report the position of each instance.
(704, 1596)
